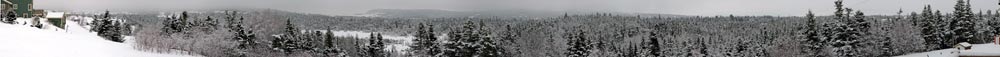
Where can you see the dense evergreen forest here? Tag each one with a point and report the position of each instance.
(271, 33)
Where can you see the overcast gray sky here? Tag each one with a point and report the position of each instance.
(681, 7)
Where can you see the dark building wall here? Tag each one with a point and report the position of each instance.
(24, 7)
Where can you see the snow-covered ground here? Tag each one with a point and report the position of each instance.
(404, 41)
(989, 49)
(20, 40)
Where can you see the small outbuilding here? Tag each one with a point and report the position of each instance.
(57, 19)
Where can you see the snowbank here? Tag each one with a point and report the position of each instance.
(75, 41)
(989, 49)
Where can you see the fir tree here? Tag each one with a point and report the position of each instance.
(846, 33)
(244, 39)
(942, 31)
(375, 46)
(175, 24)
(471, 41)
(289, 41)
(578, 45)
(508, 41)
(208, 24)
(426, 40)
(930, 28)
(702, 47)
(182, 22)
(330, 46)
(290, 28)
(107, 28)
(233, 19)
(963, 26)
(814, 42)
(328, 35)
(652, 44)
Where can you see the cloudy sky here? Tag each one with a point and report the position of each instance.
(681, 7)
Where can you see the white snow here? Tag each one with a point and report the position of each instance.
(19, 40)
(935, 53)
(989, 49)
(405, 41)
(51, 14)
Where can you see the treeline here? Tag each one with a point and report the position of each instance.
(597, 34)
(848, 32)
(963, 25)
(843, 37)
(851, 33)
(233, 37)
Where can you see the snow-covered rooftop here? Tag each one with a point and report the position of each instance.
(55, 14)
(989, 49)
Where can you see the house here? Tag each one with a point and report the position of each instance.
(38, 13)
(21, 8)
(6, 7)
(57, 19)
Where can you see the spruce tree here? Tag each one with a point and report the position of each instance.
(472, 40)
(846, 33)
(702, 46)
(287, 42)
(168, 25)
(208, 24)
(232, 19)
(107, 28)
(839, 6)
(182, 22)
(938, 29)
(578, 45)
(838, 31)
(290, 28)
(278, 44)
(175, 24)
(963, 26)
(488, 44)
(98, 22)
(993, 24)
(652, 44)
(328, 35)
(930, 28)
(509, 42)
(244, 39)
(330, 46)
(814, 42)
(375, 46)
(426, 40)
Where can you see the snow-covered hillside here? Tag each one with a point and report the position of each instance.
(19, 40)
(989, 49)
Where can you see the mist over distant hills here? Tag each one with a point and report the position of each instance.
(435, 13)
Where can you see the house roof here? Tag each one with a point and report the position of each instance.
(55, 14)
(7, 2)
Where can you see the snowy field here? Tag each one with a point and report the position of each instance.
(989, 49)
(20, 40)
